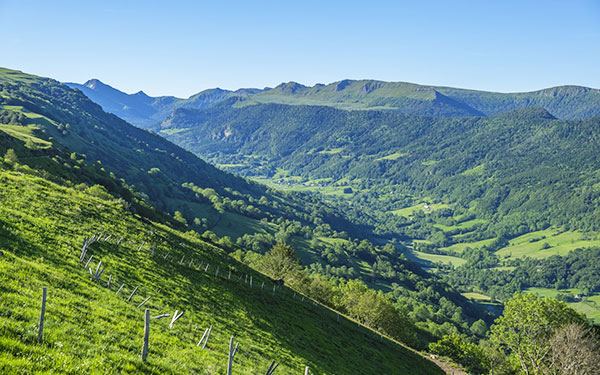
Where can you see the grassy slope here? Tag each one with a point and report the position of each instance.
(91, 330)
(545, 243)
(590, 306)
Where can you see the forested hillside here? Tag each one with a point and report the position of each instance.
(66, 137)
(94, 321)
(524, 168)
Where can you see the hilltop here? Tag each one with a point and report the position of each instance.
(565, 102)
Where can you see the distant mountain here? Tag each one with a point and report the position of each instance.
(566, 102)
(145, 111)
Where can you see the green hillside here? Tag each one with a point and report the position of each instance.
(568, 102)
(241, 216)
(90, 328)
(522, 168)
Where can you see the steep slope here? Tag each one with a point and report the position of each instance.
(91, 327)
(145, 111)
(242, 217)
(155, 166)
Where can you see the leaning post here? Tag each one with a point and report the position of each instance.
(41, 331)
(146, 334)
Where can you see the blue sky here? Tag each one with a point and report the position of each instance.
(182, 47)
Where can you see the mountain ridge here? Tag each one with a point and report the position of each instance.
(566, 102)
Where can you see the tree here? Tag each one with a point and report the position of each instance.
(479, 328)
(574, 351)
(178, 216)
(281, 262)
(471, 356)
(526, 326)
(11, 156)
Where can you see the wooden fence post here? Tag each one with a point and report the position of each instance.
(88, 262)
(272, 368)
(217, 273)
(229, 277)
(146, 334)
(143, 303)
(122, 285)
(132, 293)
(109, 280)
(230, 359)
(43, 312)
(306, 371)
(175, 317)
(206, 336)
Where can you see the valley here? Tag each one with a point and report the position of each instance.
(413, 227)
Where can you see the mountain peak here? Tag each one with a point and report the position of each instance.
(291, 87)
(93, 83)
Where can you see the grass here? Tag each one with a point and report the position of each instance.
(545, 243)
(464, 226)
(90, 329)
(173, 131)
(408, 211)
(589, 306)
(332, 151)
(475, 171)
(437, 258)
(394, 156)
(476, 296)
(460, 247)
(26, 134)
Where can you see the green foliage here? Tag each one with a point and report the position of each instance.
(281, 263)
(91, 329)
(467, 354)
(11, 156)
(526, 327)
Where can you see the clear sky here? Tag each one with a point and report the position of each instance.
(182, 47)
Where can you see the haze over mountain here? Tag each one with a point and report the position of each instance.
(145, 111)
(566, 102)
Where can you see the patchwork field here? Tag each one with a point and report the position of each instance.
(545, 243)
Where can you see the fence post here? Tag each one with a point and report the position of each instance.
(306, 371)
(231, 353)
(143, 303)
(43, 312)
(132, 293)
(146, 334)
